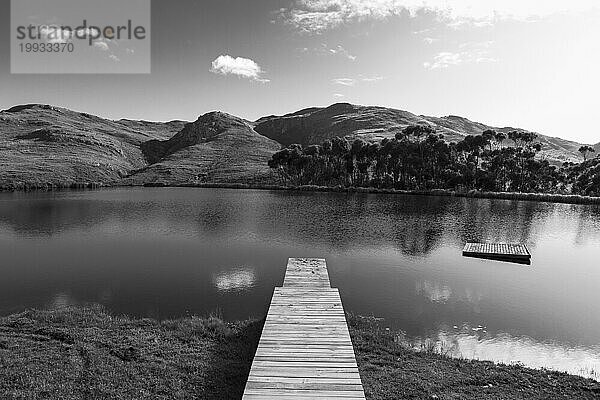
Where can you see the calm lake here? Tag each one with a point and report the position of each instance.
(172, 252)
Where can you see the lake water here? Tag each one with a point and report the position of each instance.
(172, 252)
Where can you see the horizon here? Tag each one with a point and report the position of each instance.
(503, 64)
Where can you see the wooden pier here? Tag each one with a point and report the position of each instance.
(305, 351)
(498, 251)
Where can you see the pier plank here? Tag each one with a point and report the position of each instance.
(305, 351)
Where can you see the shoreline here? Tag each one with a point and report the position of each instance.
(536, 197)
(85, 352)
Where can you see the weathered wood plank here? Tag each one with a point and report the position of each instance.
(301, 271)
(304, 394)
(305, 351)
(501, 251)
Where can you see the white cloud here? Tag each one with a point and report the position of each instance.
(241, 67)
(476, 45)
(338, 96)
(319, 15)
(444, 60)
(344, 81)
(422, 31)
(469, 53)
(101, 45)
(353, 81)
(87, 32)
(324, 49)
(339, 50)
(372, 78)
(54, 34)
(429, 40)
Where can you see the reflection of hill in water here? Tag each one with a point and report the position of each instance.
(47, 216)
(414, 225)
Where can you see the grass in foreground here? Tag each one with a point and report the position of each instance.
(391, 370)
(85, 353)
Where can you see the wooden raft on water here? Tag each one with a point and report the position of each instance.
(498, 251)
(305, 351)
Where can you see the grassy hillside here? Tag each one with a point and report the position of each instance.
(216, 148)
(315, 125)
(43, 145)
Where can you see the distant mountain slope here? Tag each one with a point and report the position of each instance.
(42, 144)
(218, 147)
(315, 125)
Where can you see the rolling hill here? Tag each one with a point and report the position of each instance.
(44, 145)
(314, 125)
(217, 148)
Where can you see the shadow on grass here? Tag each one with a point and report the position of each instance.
(230, 362)
(77, 353)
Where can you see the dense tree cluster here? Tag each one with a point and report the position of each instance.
(584, 178)
(420, 159)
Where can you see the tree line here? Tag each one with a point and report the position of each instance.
(418, 158)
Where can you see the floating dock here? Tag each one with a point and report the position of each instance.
(498, 251)
(305, 351)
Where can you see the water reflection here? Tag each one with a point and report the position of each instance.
(434, 291)
(168, 252)
(478, 343)
(62, 300)
(414, 225)
(234, 280)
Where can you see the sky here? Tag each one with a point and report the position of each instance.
(522, 63)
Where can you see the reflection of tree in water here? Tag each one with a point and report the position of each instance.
(419, 226)
(330, 219)
(343, 222)
(418, 239)
(415, 225)
(588, 223)
(503, 221)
